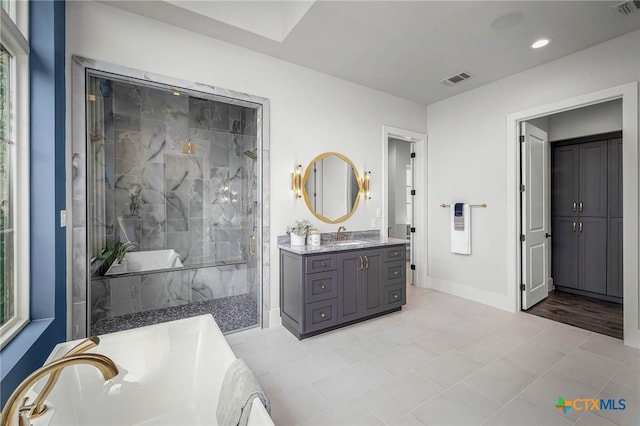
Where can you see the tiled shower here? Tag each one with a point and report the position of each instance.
(170, 168)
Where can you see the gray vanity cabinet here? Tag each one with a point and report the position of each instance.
(360, 290)
(321, 291)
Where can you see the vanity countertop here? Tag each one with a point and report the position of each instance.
(357, 242)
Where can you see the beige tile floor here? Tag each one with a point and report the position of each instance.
(443, 360)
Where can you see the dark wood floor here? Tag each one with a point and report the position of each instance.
(581, 311)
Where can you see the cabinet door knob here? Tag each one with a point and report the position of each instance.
(396, 296)
(323, 315)
(366, 260)
(361, 263)
(581, 205)
(581, 227)
(395, 253)
(396, 273)
(574, 227)
(322, 286)
(575, 206)
(323, 263)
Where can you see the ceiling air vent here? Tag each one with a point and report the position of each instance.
(455, 79)
(628, 7)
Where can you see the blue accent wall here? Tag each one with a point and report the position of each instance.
(31, 347)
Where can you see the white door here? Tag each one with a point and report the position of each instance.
(536, 215)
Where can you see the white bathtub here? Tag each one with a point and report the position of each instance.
(151, 260)
(169, 374)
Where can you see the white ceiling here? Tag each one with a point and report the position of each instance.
(401, 47)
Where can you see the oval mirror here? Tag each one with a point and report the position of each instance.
(331, 187)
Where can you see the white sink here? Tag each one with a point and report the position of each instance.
(170, 374)
(346, 243)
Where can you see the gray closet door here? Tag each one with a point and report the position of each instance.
(615, 178)
(614, 258)
(564, 194)
(592, 254)
(565, 252)
(592, 181)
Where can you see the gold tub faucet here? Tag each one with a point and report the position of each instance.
(16, 403)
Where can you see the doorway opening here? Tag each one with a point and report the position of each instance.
(403, 212)
(400, 206)
(571, 217)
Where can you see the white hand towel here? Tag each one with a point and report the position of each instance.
(461, 240)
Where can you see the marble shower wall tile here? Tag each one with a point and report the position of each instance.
(100, 300)
(176, 135)
(153, 136)
(79, 185)
(79, 267)
(139, 126)
(124, 295)
(180, 242)
(164, 289)
(249, 122)
(217, 282)
(79, 320)
(153, 103)
(126, 106)
(219, 152)
(129, 153)
(219, 118)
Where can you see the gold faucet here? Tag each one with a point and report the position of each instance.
(16, 404)
(338, 238)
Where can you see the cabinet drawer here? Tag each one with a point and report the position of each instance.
(395, 296)
(320, 263)
(394, 273)
(321, 315)
(321, 286)
(395, 253)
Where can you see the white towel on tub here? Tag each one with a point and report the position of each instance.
(239, 388)
(461, 240)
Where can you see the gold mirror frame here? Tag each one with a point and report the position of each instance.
(307, 201)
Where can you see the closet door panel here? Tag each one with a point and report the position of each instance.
(615, 178)
(564, 181)
(564, 264)
(614, 258)
(592, 254)
(592, 184)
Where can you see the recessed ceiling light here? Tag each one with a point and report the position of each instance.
(540, 43)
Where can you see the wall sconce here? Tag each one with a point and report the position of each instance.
(366, 185)
(296, 181)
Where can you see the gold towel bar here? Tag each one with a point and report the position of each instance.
(483, 205)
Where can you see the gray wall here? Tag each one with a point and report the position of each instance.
(591, 120)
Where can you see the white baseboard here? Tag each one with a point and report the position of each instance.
(499, 301)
